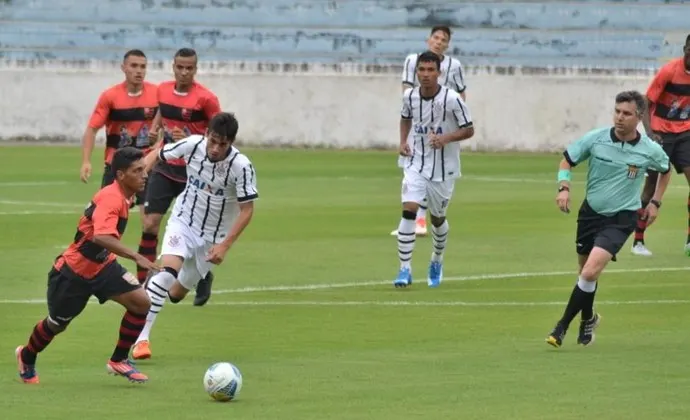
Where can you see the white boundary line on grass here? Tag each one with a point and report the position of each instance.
(393, 303)
(308, 287)
(497, 276)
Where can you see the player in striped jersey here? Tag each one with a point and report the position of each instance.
(451, 76)
(208, 217)
(434, 119)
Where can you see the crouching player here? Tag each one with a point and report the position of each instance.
(89, 267)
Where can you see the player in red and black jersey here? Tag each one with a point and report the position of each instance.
(185, 108)
(126, 110)
(88, 267)
(668, 122)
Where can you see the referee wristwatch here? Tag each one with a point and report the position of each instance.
(656, 203)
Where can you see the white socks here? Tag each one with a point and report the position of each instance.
(586, 286)
(157, 289)
(406, 239)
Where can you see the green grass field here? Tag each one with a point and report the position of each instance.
(305, 307)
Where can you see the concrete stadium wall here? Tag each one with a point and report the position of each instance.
(347, 108)
(279, 64)
(631, 34)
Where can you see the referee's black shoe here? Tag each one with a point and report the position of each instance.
(203, 290)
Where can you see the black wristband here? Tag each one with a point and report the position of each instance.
(656, 203)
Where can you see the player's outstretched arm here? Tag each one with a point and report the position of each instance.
(113, 245)
(217, 253)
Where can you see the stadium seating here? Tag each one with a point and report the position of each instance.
(590, 33)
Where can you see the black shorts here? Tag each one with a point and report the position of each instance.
(109, 178)
(607, 232)
(160, 193)
(677, 147)
(68, 293)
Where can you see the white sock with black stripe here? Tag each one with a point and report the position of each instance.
(157, 288)
(406, 238)
(439, 236)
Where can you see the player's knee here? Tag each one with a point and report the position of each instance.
(437, 221)
(58, 325)
(409, 215)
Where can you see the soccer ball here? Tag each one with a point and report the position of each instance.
(223, 381)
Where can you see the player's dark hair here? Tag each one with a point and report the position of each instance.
(225, 125)
(134, 53)
(124, 158)
(687, 40)
(428, 57)
(634, 97)
(442, 28)
(185, 52)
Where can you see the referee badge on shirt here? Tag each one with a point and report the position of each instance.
(632, 171)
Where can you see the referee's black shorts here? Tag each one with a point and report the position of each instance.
(607, 232)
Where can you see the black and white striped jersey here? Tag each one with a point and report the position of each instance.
(210, 201)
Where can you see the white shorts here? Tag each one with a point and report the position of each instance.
(181, 241)
(438, 193)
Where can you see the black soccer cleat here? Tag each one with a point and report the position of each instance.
(203, 290)
(556, 337)
(587, 327)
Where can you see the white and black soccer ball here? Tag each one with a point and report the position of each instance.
(223, 381)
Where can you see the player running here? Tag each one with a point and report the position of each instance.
(127, 111)
(668, 122)
(88, 267)
(208, 217)
(185, 108)
(434, 120)
(451, 76)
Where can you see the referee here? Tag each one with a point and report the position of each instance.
(618, 158)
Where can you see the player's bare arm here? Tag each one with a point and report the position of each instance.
(647, 121)
(156, 134)
(563, 195)
(113, 245)
(405, 127)
(463, 133)
(652, 209)
(216, 254)
(87, 144)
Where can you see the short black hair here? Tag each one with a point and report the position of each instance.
(124, 158)
(634, 97)
(687, 40)
(428, 57)
(185, 52)
(133, 53)
(442, 28)
(225, 125)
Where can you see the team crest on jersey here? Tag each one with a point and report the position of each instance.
(632, 171)
(186, 114)
(222, 168)
(438, 109)
(174, 241)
